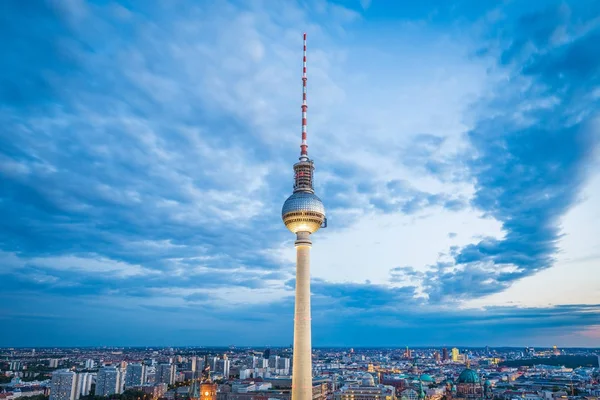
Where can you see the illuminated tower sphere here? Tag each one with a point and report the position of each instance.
(303, 213)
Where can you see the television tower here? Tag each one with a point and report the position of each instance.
(303, 213)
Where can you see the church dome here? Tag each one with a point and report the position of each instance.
(368, 380)
(426, 378)
(468, 376)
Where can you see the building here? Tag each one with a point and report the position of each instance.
(89, 364)
(303, 214)
(273, 360)
(444, 354)
(154, 391)
(165, 373)
(135, 375)
(283, 366)
(222, 367)
(455, 354)
(378, 392)
(319, 392)
(108, 381)
(192, 363)
(63, 385)
(468, 385)
(84, 384)
(53, 363)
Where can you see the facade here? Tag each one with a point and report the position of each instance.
(84, 384)
(444, 354)
(89, 364)
(135, 375)
(165, 373)
(455, 354)
(375, 392)
(222, 367)
(319, 392)
(63, 385)
(154, 391)
(303, 214)
(468, 386)
(108, 381)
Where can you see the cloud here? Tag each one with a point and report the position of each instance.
(146, 152)
(532, 148)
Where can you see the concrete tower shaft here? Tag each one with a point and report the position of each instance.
(302, 363)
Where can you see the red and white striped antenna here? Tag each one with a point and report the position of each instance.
(304, 146)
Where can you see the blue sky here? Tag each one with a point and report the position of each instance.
(146, 150)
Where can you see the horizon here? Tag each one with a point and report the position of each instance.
(147, 149)
(313, 347)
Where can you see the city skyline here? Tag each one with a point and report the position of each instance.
(145, 155)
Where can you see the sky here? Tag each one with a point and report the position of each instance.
(146, 149)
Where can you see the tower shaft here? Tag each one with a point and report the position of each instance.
(302, 368)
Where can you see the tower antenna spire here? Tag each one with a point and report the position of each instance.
(304, 145)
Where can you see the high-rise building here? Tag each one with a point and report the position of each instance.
(283, 365)
(222, 367)
(89, 364)
(165, 373)
(15, 365)
(273, 360)
(303, 214)
(444, 354)
(135, 375)
(63, 385)
(251, 362)
(84, 384)
(455, 354)
(53, 363)
(108, 381)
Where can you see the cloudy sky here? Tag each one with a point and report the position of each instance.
(146, 148)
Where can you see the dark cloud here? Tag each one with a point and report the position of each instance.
(531, 158)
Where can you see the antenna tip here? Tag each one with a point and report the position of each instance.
(304, 35)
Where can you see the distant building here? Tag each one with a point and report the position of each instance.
(222, 367)
(89, 364)
(455, 354)
(53, 363)
(379, 392)
(135, 375)
(273, 359)
(192, 363)
(444, 354)
(154, 391)
(15, 365)
(251, 362)
(468, 386)
(165, 373)
(108, 381)
(84, 383)
(63, 385)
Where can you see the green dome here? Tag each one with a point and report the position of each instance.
(426, 378)
(488, 383)
(468, 376)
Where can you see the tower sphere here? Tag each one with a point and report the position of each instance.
(303, 212)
